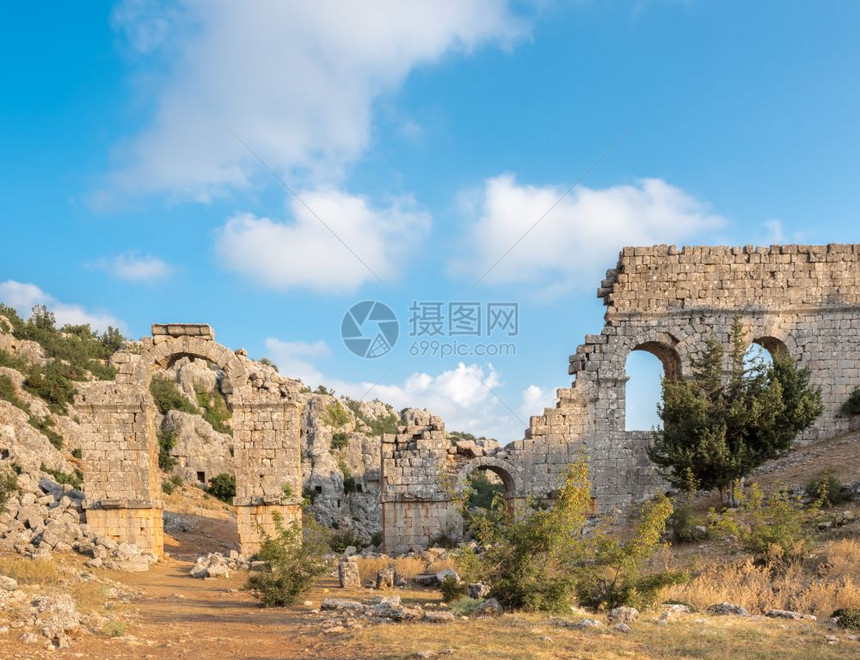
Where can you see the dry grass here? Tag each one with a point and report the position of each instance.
(368, 567)
(409, 567)
(828, 581)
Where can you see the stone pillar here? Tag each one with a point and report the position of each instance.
(268, 465)
(119, 450)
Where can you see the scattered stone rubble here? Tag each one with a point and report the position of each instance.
(215, 565)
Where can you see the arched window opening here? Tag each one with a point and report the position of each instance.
(643, 391)
(484, 484)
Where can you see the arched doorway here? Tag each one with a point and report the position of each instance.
(647, 363)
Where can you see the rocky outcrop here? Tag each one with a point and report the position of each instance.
(201, 451)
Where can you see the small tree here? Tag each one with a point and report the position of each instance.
(716, 430)
(292, 562)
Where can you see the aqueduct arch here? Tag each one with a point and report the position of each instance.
(119, 447)
(800, 300)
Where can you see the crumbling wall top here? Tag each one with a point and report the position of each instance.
(201, 330)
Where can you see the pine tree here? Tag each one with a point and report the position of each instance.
(716, 429)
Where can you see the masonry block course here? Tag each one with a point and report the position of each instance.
(803, 300)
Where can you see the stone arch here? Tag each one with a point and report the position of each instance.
(505, 470)
(773, 345)
(120, 449)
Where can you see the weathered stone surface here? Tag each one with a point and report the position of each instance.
(438, 617)
(727, 609)
(490, 607)
(788, 614)
(348, 574)
(623, 615)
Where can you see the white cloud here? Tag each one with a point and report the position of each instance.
(776, 233)
(24, 296)
(305, 254)
(134, 267)
(292, 358)
(582, 235)
(296, 80)
(535, 399)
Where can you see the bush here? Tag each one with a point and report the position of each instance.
(167, 487)
(378, 426)
(223, 486)
(342, 540)
(339, 440)
(852, 405)
(291, 563)
(7, 359)
(269, 363)
(75, 480)
(826, 490)
(350, 485)
(465, 606)
(8, 486)
(53, 383)
(541, 559)
(166, 442)
(8, 393)
(452, 589)
(336, 415)
(482, 492)
(847, 617)
(215, 411)
(168, 397)
(772, 528)
(46, 426)
(76, 453)
(684, 524)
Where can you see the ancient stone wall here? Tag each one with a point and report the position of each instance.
(120, 450)
(803, 300)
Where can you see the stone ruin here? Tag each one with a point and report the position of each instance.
(799, 300)
(119, 447)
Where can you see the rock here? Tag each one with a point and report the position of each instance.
(425, 580)
(788, 614)
(385, 578)
(477, 590)
(7, 583)
(348, 575)
(727, 609)
(623, 615)
(56, 616)
(447, 573)
(438, 617)
(490, 607)
(621, 627)
(218, 570)
(342, 605)
(588, 623)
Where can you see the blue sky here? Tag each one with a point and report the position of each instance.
(429, 141)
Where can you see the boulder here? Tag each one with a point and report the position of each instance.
(490, 607)
(727, 609)
(623, 615)
(348, 575)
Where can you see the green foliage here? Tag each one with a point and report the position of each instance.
(287, 490)
(8, 486)
(350, 485)
(826, 489)
(339, 440)
(223, 486)
(683, 523)
(716, 432)
(75, 480)
(76, 453)
(482, 492)
(167, 487)
(341, 540)
(852, 405)
(465, 606)
(8, 393)
(46, 426)
(336, 415)
(772, 528)
(379, 425)
(452, 588)
(8, 359)
(215, 410)
(322, 389)
(541, 559)
(168, 397)
(847, 617)
(269, 363)
(54, 384)
(308, 495)
(292, 564)
(166, 442)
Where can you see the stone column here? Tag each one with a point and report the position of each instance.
(119, 450)
(268, 466)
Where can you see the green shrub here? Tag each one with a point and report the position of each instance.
(287, 490)
(482, 492)
(167, 396)
(339, 440)
(340, 541)
(269, 363)
(292, 563)
(350, 485)
(465, 606)
(53, 383)
(223, 486)
(76, 453)
(166, 442)
(75, 480)
(46, 426)
(684, 525)
(308, 495)
(8, 393)
(452, 588)
(8, 486)
(378, 426)
(772, 528)
(322, 389)
(826, 489)
(215, 411)
(167, 487)
(852, 405)
(847, 617)
(7, 359)
(336, 415)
